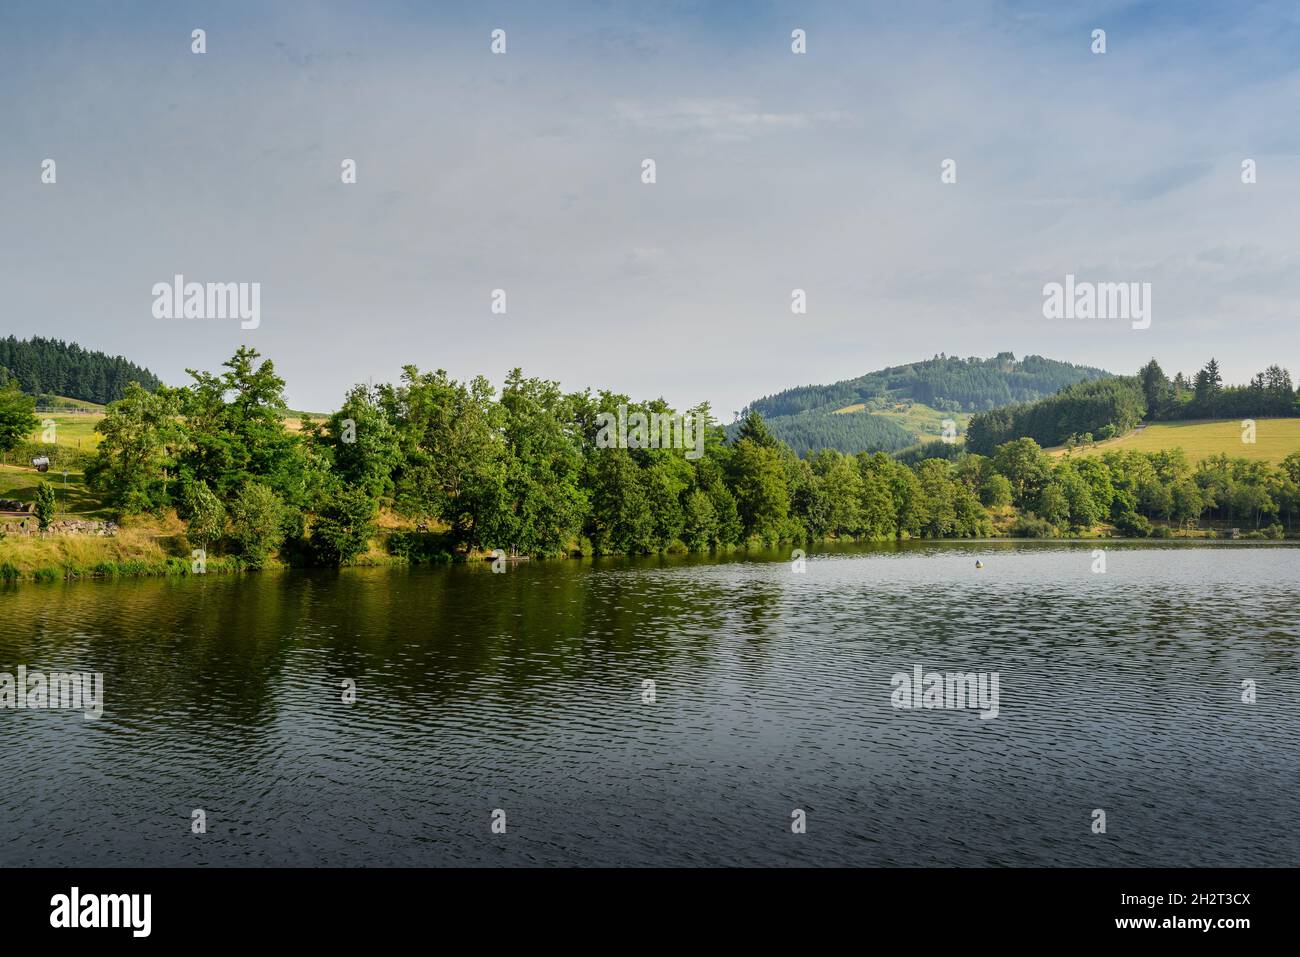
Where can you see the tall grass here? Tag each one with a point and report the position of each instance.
(130, 553)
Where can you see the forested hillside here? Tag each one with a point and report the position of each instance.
(864, 414)
(54, 367)
(811, 431)
(947, 383)
(1100, 410)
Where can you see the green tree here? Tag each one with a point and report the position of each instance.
(1188, 501)
(16, 419)
(206, 515)
(810, 505)
(1291, 466)
(345, 520)
(666, 476)
(1025, 466)
(1251, 502)
(753, 428)
(452, 454)
(363, 443)
(759, 485)
(996, 491)
(1155, 387)
(543, 504)
(141, 436)
(236, 432)
(710, 480)
(876, 507)
(972, 518)
(1286, 493)
(1105, 408)
(620, 519)
(1096, 474)
(1081, 508)
(1208, 384)
(45, 505)
(841, 486)
(1052, 504)
(908, 496)
(257, 519)
(1155, 498)
(940, 516)
(701, 530)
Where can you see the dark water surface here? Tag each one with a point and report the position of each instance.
(523, 691)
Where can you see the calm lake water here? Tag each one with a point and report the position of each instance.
(523, 692)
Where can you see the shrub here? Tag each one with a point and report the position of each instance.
(257, 523)
(420, 547)
(343, 526)
(1030, 525)
(206, 514)
(1132, 525)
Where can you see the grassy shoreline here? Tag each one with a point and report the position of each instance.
(131, 553)
(143, 552)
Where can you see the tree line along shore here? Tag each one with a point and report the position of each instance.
(208, 477)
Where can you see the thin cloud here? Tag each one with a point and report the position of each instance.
(725, 119)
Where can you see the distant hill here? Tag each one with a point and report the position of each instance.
(49, 368)
(894, 408)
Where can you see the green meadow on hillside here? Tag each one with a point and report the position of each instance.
(1199, 439)
(922, 421)
(73, 430)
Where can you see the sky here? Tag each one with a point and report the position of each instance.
(774, 172)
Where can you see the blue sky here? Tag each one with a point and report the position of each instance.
(775, 172)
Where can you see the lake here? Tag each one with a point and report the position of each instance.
(773, 693)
